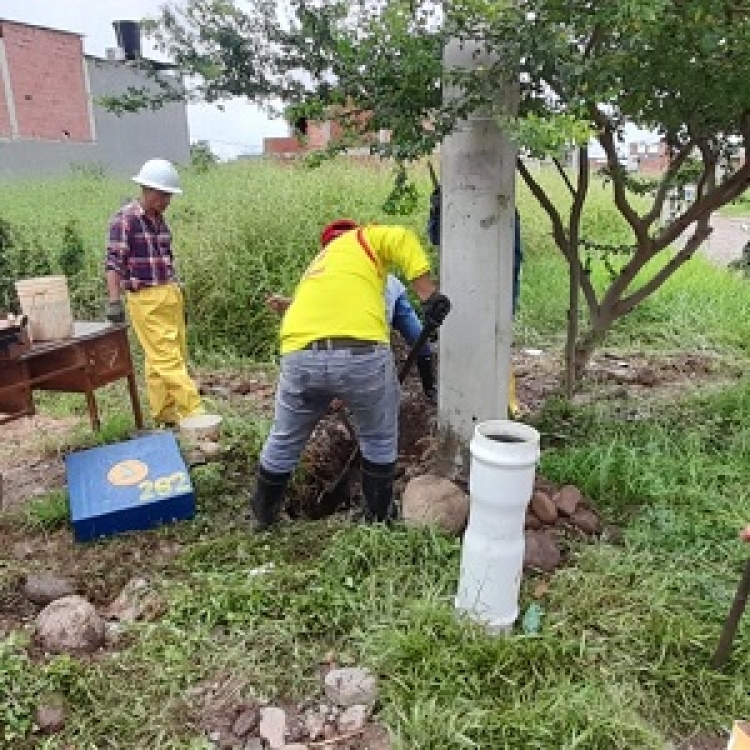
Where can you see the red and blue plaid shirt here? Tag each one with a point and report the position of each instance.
(139, 249)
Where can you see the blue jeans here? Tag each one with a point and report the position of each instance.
(310, 380)
(408, 324)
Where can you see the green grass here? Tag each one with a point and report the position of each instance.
(739, 208)
(620, 659)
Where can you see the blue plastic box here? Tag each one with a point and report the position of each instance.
(130, 486)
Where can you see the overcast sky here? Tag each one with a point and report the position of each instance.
(240, 128)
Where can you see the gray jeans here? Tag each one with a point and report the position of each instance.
(309, 380)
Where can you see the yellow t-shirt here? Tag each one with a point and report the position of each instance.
(341, 292)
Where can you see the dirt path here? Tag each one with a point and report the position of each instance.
(727, 240)
(30, 457)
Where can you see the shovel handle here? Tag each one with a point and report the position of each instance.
(427, 330)
(733, 619)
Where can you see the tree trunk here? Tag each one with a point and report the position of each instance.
(571, 376)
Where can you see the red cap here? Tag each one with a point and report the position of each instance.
(335, 229)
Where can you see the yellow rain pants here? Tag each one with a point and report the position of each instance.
(514, 407)
(157, 315)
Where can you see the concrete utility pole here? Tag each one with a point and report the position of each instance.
(478, 201)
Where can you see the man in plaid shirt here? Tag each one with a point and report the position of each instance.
(140, 264)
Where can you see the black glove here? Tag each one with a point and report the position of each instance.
(116, 312)
(436, 308)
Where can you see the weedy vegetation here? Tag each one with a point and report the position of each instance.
(627, 627)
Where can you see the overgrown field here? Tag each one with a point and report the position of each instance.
(621, 658)
(244, 229)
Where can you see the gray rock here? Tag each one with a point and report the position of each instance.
(543, 507)
(229, 741)
(540, 551)
(531, 521)
(246, 722)
(354, 718)
(136, 601)
(315, 723)
(586, 520)
(114, 633)
(51, 718)
(273, 726)
(430, 500)
(69, 625)
(46, 586)
(350, 686)
(568, 499)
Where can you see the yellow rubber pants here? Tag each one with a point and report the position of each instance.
(157, 315)
(514, 407)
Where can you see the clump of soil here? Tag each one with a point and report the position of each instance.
(331, 459)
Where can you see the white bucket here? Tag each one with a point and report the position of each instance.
(46, 303)
(504, 455)
(201, 427)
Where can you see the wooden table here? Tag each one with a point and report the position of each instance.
(98, 354)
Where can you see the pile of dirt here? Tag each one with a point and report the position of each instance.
(331, 458)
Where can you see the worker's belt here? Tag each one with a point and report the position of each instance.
(355, 346)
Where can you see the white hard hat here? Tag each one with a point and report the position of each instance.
(159, 174)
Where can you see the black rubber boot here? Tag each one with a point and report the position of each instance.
(427, 376)
(268, 498)
(377, 489)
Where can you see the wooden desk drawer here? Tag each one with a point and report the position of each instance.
(108, 359)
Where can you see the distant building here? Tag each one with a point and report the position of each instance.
(306, 136)
(50, 120)
(649, 158)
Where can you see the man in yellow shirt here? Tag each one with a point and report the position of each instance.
(335, 343)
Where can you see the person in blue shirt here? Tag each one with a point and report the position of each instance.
(404, 319)
(433, 232)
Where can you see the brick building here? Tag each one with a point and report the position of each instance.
(653, 158)
(49, 116)
(312, 135)
(44, 93)
(648, 158)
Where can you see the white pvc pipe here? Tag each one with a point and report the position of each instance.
(504, 455)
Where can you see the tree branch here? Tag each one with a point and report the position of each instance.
(558, 231)
(607, 141)
(564, 176)
(578, 278)
(576, 212)
(705, 205)
(661, 193)
(626, 304)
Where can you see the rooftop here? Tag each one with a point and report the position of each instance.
(37, 26)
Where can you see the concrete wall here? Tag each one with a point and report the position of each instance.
(95, 138)
(127, 141)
